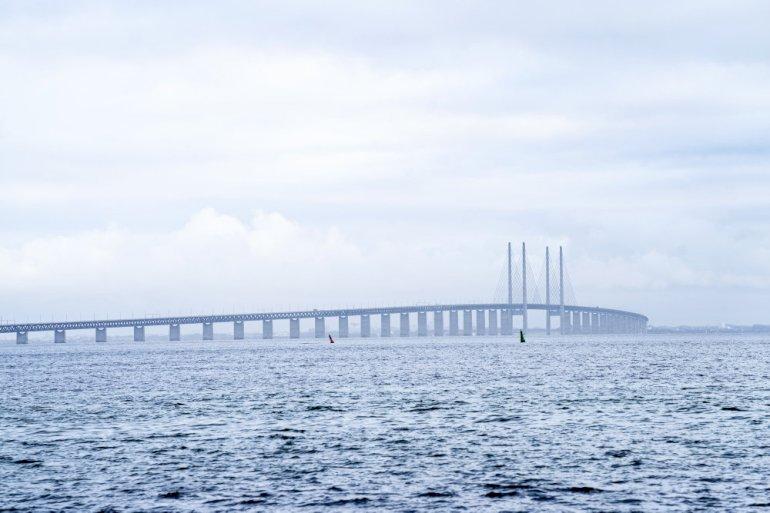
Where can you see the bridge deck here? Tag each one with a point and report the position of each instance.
(517, 309)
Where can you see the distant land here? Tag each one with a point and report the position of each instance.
(724, 328)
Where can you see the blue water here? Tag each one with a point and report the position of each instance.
(581, 423)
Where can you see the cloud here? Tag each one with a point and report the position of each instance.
(393, 147)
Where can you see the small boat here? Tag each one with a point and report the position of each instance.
(521, 336)
(331, 340)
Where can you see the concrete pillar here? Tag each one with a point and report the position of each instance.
(481, 322)
(547, 291)
(343, 327)
(366, 326)
(438, 324)
(454, 325)
(492, 327)
(208, 331)
(595, 328)
(404, 325)
(59, 336)
(506, 325)
(385, 325)
(101, 334)
(576, 325)
(422, 324)
(238, 330)
(174, 333)
(21, 337)
(524, 317)
(293, 328)
(563, 327)
(320, 327)
(467, 323)
(267, 329)
(138, 333)
(586, 322)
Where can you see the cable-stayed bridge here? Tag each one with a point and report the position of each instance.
(497, 317)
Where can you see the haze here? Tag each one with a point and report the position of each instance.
(194, 156)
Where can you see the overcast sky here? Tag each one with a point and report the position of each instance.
(217, 156)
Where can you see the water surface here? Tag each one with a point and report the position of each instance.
(478, 423)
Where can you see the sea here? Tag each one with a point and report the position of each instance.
(575, 423)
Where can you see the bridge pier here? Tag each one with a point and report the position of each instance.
(21, 337)
(467, 323)
(267, 329)
(566, 324)
(59, 336)
(422, 324)
(208, 331)
(586, 322)
(481, 322)
(343, 326)
(366, 326)
(506, 316)
(492, 328)
(320, 327)
(174, 333)
(238, 330)
(101, 335)
(576, 326)
(438, 323)
(454, 324)
(293, 328)
(404, 325)
(594, 322)
(138, 333)
(384, 325)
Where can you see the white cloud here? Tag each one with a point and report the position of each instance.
(391, 146)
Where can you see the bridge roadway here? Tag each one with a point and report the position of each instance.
(574, 319)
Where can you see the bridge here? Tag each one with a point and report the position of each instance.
(495, 318)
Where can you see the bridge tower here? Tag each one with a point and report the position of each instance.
(510, 278)
(547, 292)
(524, 287)
(506, 316)
(561, 291)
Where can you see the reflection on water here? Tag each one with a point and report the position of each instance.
(581, 422)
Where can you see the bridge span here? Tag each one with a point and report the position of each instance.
(463, 320)
(494, 318)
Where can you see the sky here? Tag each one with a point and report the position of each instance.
(175, 157)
